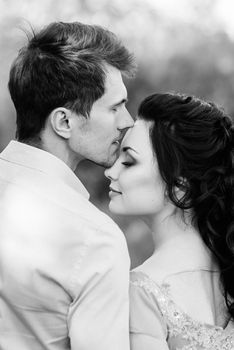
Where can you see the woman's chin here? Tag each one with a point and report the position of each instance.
(121, 210)
(117, 209)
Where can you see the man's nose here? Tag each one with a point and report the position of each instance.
(126, 121)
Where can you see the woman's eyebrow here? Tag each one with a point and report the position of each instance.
(126, 148)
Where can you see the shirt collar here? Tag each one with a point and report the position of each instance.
(40, 160)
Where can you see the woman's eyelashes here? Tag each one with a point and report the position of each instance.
(129, 161)
(127, 164)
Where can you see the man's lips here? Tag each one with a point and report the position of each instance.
(119, 139)
(117, 142)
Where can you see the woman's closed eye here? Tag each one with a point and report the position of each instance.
(127, 164)
(127, 159)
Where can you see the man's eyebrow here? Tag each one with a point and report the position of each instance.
(117, 104)
(125, 149)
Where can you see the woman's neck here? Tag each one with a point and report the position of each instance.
(170, 224)
(178, 246)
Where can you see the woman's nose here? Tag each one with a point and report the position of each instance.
(113, 172)
(108, 173)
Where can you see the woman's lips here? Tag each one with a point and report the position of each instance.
(114, 192)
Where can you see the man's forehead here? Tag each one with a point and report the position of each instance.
(114, 79)
(115, 90)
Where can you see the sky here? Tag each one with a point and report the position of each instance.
(225, 10)
(172, 9)
(181, 10)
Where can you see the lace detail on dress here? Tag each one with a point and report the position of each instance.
(189, 333)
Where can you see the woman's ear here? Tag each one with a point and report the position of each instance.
(182, 183)
(181, 188)
(60, 121)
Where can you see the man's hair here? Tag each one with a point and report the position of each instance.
(63, 65)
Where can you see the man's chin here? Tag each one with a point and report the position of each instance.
(108, 163)
(104, 163)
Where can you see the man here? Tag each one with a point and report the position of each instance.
(63, 264)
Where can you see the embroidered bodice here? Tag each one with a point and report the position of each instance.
(179, 330)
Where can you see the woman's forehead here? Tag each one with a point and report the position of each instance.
(137, 137)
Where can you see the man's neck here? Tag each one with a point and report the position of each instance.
(58, 148)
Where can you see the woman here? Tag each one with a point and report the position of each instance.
(175, 170)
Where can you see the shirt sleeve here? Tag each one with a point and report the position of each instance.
(99, 316)
(147, 326)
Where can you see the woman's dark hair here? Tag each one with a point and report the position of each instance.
(63, 65)
(193, 141)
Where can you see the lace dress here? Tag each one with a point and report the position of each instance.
(158, 323)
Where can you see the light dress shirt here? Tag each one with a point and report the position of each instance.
(64, 265)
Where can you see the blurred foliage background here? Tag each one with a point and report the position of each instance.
(182, 46)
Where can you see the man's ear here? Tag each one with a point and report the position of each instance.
(60, 122)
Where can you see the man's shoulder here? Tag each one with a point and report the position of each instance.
(92, 214)
(46, 196)
(97, 222)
